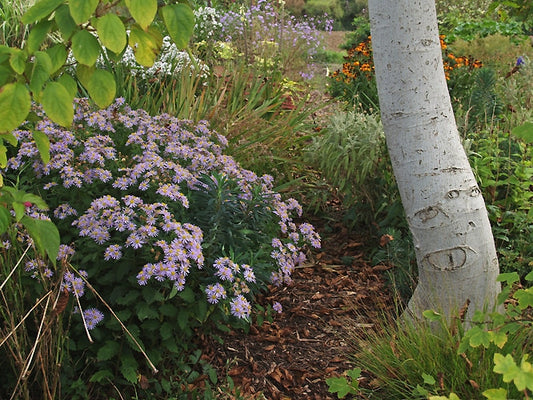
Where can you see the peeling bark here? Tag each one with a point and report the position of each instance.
(445, 210)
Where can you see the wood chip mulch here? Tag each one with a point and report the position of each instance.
(292, 356)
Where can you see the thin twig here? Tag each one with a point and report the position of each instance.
(16, 266)
(154, 369)
(23, 319)
(83, 319)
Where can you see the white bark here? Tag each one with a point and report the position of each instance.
(445, 210)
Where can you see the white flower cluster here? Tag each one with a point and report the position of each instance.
(208, 25)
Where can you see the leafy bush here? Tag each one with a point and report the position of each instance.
(172, 234)
(433, 358)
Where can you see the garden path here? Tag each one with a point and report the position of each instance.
(332, 295)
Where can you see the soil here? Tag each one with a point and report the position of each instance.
(334, 296)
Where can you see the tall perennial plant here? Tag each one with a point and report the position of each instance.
(172, 234)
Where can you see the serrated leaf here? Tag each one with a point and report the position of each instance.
(15, 104)
(67, 26)
(166, 331)
(18, 61)
(85, 48)
(108, 350)
(129, 373)
(57, 103)
(498, 338)
(508, 277)
(524, 297)
(479, 337)
(495, 394)
(340, 386)
(179, 20)
(82, 10)
(428, 379)
(40, 10)
(37, 35)
(58, 57)
(102, 87)
(45, 236)
(168, 310)
(145, 45)
(43, 145)
(144, 311)
(112, 32)
(129, 298)
(187, 294)
(42, 66)
(142, 11)
(103, 375)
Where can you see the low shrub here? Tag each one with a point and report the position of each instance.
(159, 226)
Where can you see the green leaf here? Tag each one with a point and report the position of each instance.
(10, 138)
(45, 236)
(166, 331)
(145, 311)
(15, 104)
(43, 145)
(84, 73)
(340, 386)
(37, 35)
(69, 84)
(85, 48)
(524, 131)
(142, 11)
(40, 9)
(168, 310)
(179, 20)
(57, 103)
(67, 26)
(3, 156)
(187, 294)
(479, 336)
(6, 75)
(129, 373)
(498, 338)
(145, 45)
(82, 10)
(354, 373)
(18, 61)
(431, 315)
(529, 277)
(58, 57)
(110, 349)
(524, 297)
(112, 32)
(102, 87)
(103, 375)
(509, 277)
(40, 72)
(495, 394)
(129, 298)
(428, 379)
(5, 218)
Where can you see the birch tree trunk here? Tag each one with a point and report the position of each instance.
(446, 213)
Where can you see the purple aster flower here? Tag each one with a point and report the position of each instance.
(240, 307)
(277, 307)
(92, 317)
(113, 252)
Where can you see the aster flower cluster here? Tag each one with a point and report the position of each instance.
(270, 31)
(140, 179)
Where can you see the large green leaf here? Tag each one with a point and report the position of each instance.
(15, 104)
(81, 10)
(43, 145)
(18, 60)
(70, 84)
(37, 35)
(524, 131)
(143, 11)
(3, 156)
(58, 56)
(40, 9)
(112, 32)
(145, 45)
(85, 48)
(45, 236)
(57, 103)
(42, 65)
(102, 87)
(179, 20)
(67, 26)
(84, 73)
